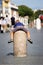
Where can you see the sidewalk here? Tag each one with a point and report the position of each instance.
(29, 60)
(34, 51)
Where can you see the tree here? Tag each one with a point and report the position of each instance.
(25, 11)
(37, 13)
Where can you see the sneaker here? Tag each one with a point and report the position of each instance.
(30, 41)
(10, 41)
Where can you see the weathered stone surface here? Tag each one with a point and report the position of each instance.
(19, 46)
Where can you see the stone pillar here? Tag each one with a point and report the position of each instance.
(19, 45)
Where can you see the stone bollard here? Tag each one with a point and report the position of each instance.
(19, 45)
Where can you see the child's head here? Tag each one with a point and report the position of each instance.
(17, 20)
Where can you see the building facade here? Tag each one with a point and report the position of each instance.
(8, 8)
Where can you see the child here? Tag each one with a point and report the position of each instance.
(19, 26)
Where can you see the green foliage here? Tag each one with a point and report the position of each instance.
(25, 11)
(37, 13)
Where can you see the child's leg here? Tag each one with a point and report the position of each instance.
(11, 35)
(29, 38)
(28, 34)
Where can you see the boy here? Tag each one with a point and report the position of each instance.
(19, 26)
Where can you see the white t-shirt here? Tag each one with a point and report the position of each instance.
(0, 22)
(38, 23)
(3, 22)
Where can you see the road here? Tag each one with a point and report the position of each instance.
(34, 51)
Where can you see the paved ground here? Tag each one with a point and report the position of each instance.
(34, 51)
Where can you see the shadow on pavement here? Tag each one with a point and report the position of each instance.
(10, 54)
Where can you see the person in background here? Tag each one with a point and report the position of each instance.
(0, 24)
(38, 24)
(3, 24)
(12, 20)
(7, 21)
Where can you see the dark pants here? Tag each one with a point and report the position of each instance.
(0, 28)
